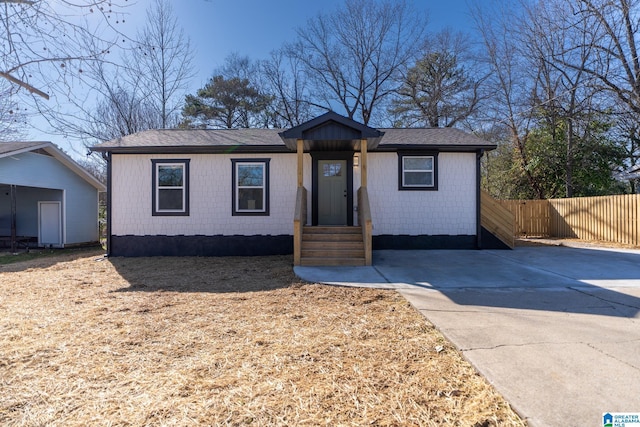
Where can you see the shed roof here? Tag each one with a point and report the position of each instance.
(18, 147)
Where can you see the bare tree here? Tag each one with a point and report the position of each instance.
(443, 87)
(45, 44)
(145, 90)
(612, 31)
(164, 57)
(286, 83)
(510, 83)
(554, 35)
(12, 115)
(353, 54)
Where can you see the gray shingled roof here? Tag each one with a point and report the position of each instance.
(196, 138)
(431, 136)
(262, 138)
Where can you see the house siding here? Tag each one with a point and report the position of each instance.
(445, 218)
(449, 211)
(210, 195)
(80, 199)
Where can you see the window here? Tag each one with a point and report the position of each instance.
(250, 186)
(418, 171)
(332, 169)
(170, 195)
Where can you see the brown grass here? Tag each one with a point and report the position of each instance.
(221, 341)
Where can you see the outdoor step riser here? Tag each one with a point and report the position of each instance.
(324, 245)
(333, 253)
(332, 246)
(332, 237)
(332, 230)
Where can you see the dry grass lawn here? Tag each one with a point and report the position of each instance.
(221, 341)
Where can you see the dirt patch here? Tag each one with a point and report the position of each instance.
(222, 341)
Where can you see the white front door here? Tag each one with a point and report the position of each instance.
(49, 224)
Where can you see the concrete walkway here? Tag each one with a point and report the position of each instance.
(556, 330)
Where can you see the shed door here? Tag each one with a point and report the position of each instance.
(332, 192)
(49, 224)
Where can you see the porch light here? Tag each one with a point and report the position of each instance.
(356, 160)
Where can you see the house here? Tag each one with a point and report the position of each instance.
(329, 191)
(46, 198)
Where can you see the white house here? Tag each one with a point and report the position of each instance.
(329, 191)
(46, 198)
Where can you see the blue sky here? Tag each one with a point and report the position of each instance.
(254, 28)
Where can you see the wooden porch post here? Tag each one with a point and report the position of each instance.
(300, 161)
(363, 163)
(300, 212)
(14, 248)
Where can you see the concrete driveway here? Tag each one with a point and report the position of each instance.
(555, 329)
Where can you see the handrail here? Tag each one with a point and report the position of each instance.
(364, 219)
(299, 220)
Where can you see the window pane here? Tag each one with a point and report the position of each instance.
(250, 199)
(332, 169)
(250, 175)
(170, 200)
(418, 163)
(170, 176)
(423, 179)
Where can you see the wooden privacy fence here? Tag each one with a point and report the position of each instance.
(608, 218)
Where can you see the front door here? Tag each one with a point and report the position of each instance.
(332, 192)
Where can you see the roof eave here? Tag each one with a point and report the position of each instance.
(26, 149)
(436, 147)
(204, 149)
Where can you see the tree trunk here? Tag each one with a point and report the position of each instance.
(569, 160)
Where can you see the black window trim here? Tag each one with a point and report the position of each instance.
(429, 153)
(234, 162)
(154, 184)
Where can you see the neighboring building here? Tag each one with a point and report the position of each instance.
(240, 191)
(46, 199)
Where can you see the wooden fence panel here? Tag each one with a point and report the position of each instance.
(532, 217)
(607, 218)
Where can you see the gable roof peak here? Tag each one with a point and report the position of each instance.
(331, 126)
